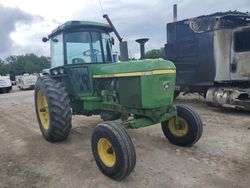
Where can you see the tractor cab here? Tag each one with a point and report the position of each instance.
(76, 46)
(80, 42)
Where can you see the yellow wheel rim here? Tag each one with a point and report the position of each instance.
(106, 152)
(179, 129)
(43, 110)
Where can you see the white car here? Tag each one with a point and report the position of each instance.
(26, 81)
(5, 84)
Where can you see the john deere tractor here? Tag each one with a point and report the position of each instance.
(84, 80)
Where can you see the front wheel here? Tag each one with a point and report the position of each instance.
(187, 130)
(113, 150)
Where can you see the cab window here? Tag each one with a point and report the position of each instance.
(57, 51)
(106, 48)
(87, 47)
(242, 41)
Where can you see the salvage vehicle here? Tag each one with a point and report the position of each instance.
(212, 57)
(5, 84)
(26, 81)
(84, 80)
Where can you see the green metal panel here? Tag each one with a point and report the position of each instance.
(146, 121)
(132, 66)
(92, 105)
(157, 90)
(80, 79)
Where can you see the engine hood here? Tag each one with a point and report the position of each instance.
(134, 68)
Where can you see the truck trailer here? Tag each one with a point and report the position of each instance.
(26, 81)
(5, 84)
(212, 57)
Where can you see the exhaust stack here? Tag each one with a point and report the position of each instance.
(142, 42)
(123, 45)
(175, 13)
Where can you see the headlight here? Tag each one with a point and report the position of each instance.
(61, 71)
(54, 72)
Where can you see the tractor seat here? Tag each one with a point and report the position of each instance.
(77, 60)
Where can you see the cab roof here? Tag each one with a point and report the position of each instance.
(80, 24)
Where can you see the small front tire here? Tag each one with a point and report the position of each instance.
(187, 131)
(113, 150)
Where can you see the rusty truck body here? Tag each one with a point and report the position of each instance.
(212, 57)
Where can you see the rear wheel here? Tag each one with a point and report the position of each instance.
(113, 150)
(52, 109)
(187, 130)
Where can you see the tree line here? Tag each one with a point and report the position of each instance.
(21, 64)
(155, 53)
(30, 63)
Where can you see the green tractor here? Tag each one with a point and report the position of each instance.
(84, 80)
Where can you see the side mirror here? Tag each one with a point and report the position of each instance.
(45, 39)
(112, 40)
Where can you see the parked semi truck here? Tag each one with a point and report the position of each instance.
(212, 57)
(26, 81)
(5, 84)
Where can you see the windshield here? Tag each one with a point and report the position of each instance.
(87, 47)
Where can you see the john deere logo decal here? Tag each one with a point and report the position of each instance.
(166, 85)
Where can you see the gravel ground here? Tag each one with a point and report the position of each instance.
(220, 159)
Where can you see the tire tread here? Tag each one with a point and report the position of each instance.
(59, 106)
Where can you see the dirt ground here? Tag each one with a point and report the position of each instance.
(220, 159)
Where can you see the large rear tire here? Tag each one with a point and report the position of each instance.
(187, 131)
(53, 109)
(113, 150)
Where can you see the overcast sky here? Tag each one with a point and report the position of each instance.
(23, 22)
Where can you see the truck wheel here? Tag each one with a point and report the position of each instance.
(9, 89)
(113, 150)
(176, 94)
(187, 131)
(3, 90)
(53, 109)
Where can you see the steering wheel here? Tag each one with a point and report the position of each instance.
(90, 52)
